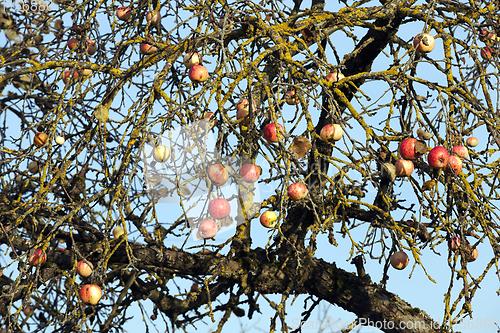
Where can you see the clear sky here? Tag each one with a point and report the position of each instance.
(410, 284)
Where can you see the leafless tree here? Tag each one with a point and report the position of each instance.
(83, 132)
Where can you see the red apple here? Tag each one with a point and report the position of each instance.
(208, 229)
(461, 151)
(118, 231)
(399, 260)
(331, 132)
(335, 76)
(407, 149)
(84, 269)
(424, 43)
(472, 141)
(217, 174)
(404, 168)
(243, 110)
(438, 157)
(154, 19)
(161, 153)
(273, 132)
(90, 294)
(37, 257)
(72, 44)
(219, 208)
(472, 255)
(486, 36)
(297, 191)
(268, 219)
(123, 13)
(191, 59)
(454, 243)
(292, 98)
(250, 173)
(486, 53)
(198, 73)
(146, 48)
(244, 104)
(68, 77)
(91, 47)
(454, 164)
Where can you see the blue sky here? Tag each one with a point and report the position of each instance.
(411, 284)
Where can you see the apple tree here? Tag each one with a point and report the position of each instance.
(142, 143)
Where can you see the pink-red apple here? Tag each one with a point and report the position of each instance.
(243, 110)
(91, 46)
(250, 173)
(146, 48)
(67, 76)
(244, 104)
(399, 260)
(123, 13)
(407, 149)
(268, 219)
(219, 208)
(454, 243)
(273, 132)
(461, 151)
(90, 294)
(198, 73)
(297, 191)
(404, 168)
(331, 132)
(486, 53)
(161, 153)
(118, 231)
(335, 76)
(72, 44)
(191, 58)
(84, 269)
(472, 254)
(472, 141)
(438, 157)
(37, 257)
(154, 19)
(486, 36)
(424, 43)
(217, 174)
(291, 98)
(208, 229)
(454, 164)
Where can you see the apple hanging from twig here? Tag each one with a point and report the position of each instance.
(90, 294)
(297, 191)
(123, 13)
(84, 269)
(399, 260)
